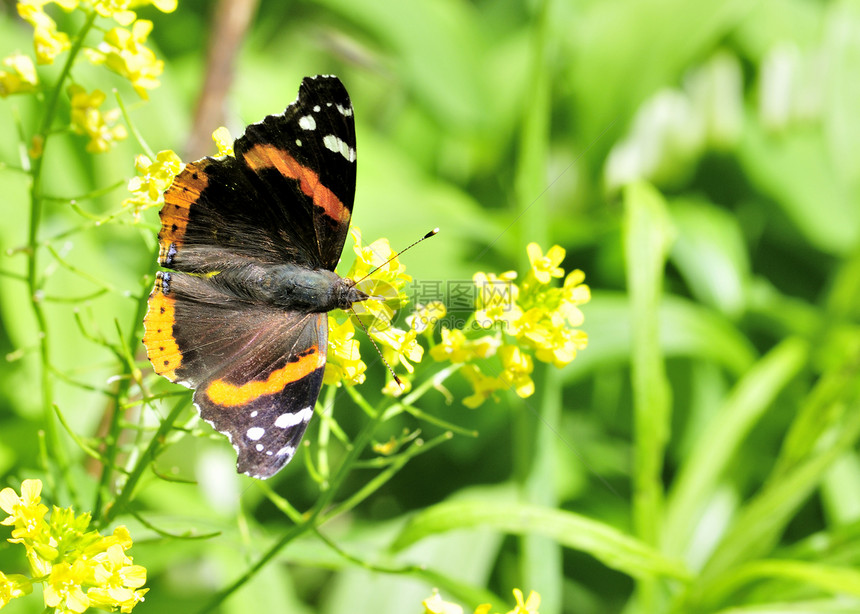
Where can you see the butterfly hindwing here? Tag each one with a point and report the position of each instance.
(257, 371)
(262, 403)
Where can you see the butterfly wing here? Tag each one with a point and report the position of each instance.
(257, 370)
(214, 219)
(286, 196)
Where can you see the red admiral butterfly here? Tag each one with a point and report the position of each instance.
(255, 239)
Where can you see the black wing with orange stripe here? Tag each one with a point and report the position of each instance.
(286, 196)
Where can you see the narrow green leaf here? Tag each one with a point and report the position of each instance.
(720, 440)
(837, 580)
(607, 544)
(647, 239)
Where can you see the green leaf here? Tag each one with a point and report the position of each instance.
(719, 441)
(837, 580)
(607, 544)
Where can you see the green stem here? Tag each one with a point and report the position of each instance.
(36, 203)
(540, 563)
(130, 375)
(143, 462)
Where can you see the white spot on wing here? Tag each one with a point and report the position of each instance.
(286, 420)
(255, 432)
(307, 122)
(337, 145)
(316, 108)
(299, 142)
(345, 111)
(254, 413)
(259, 447)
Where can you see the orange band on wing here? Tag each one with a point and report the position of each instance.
(232, 395)
(161, 347)
(178, 199)
(269, 156)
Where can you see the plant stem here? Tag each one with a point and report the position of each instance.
(40, 141)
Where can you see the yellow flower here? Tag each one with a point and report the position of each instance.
(436, 605)
(22, 77)
(155, 178)
(483, 386)
(517, 370)
(117, 9)
(574, 293)
(553, 340)
(344, 364)
(424, 318)
(223, 141)
(117, 578)
(25, 512)
(456, 348)
(47, 40)
(88, 120)
(120, 10)
(399, 346)
(484, 608)
(63, 588)
(545, 267)
(12, 587)
(496, 300)
(124, 52)
(529, 606)
(386, 285)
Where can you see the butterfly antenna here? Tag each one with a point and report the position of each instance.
(378, 351)
(427, 236)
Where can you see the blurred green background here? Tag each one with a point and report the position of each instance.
(503, 123)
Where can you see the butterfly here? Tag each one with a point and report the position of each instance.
(252, 241)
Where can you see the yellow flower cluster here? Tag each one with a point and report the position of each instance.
(386, 285)
(519, 322)
(155, 177)
(120, 10)
(78, 568)
(124, 52)
(47, 40)
(87, 119)
(436, 605)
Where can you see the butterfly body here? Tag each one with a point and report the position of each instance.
(291, 287)
(253, 241)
